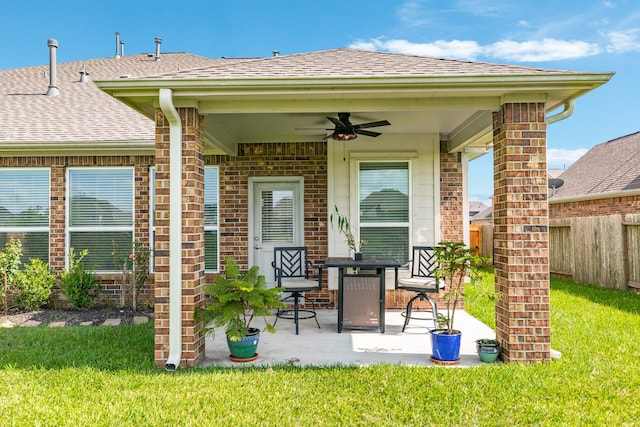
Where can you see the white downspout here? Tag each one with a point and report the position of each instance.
(568, 111)
(175, 229)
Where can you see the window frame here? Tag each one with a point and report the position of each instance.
(32, 228)
(69, 229)
(357, 160)
(216, 227)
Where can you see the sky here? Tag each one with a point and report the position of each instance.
(581, 35)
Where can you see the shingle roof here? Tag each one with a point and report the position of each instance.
(81, 112)
(350, 63)
(610, 166)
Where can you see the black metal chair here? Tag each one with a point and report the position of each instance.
(423, 281)
(291, 267)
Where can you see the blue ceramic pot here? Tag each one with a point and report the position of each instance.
(445, 347)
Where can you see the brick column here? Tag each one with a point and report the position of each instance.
(521, 245)
(451, 205)
(192, 236)
(451, 197)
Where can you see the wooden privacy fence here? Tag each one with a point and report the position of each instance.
(602, 250)
(481, 238)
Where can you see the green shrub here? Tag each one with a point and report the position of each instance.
(34, 285)
(9, 265)
(79, 283)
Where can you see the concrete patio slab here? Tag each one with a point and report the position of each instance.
(325, 346)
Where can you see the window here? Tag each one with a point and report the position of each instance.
(211, 252)
(100, 214)
(383, 189)
(24, 210)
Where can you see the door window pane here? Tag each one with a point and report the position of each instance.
(277, 216)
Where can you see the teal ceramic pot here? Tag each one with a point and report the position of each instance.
(488, 350)
(245, 347)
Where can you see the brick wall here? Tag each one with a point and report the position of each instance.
(521, 256)
(595, 207)
(308, 160)
(58, 165)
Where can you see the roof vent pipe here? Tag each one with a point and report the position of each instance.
(276, 53)
(117, 45)
(53, 89)
(122, 48)
(83, 75)
(158, 42)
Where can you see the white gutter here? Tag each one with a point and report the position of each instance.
(175, 229)
(569, 106)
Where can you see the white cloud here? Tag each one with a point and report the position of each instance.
(440, 48)
(561, 158)
(530, 51)
(542, 50)
(624, 41)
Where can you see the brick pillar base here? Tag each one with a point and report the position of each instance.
(521, 239)
(192, 159)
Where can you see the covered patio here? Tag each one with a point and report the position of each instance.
(324, 346)
(265, 120)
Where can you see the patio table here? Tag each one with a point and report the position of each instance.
(359, 300)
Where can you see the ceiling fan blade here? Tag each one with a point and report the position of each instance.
(336, 122)
(367, 132)
(373, 124)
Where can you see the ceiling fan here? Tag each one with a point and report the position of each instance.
(345, 130)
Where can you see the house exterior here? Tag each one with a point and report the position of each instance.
(604, 181)
(246, 139)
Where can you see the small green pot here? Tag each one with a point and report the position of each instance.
(488, 350)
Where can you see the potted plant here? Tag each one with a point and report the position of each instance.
(345, 228)
(235, 300)
(488, 349)
(455, 262)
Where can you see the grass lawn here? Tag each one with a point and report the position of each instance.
(105, 376)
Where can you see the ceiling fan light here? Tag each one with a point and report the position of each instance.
(341, 136)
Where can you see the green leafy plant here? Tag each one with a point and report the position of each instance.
(34, 285)
(9, 265)
(79, 282)
(455, 262)
(235, 299)
(134, 268)
(345, 228)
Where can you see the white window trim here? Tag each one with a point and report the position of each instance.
(114, 228)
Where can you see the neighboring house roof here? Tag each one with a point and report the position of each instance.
(612, 166)
(485, 214)
(475, 207)
(81, 113)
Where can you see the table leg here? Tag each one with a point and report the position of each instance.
(340, 298)
(381, 272)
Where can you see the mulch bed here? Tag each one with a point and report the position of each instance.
(74, 317)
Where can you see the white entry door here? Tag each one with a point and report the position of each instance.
(276, 218)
